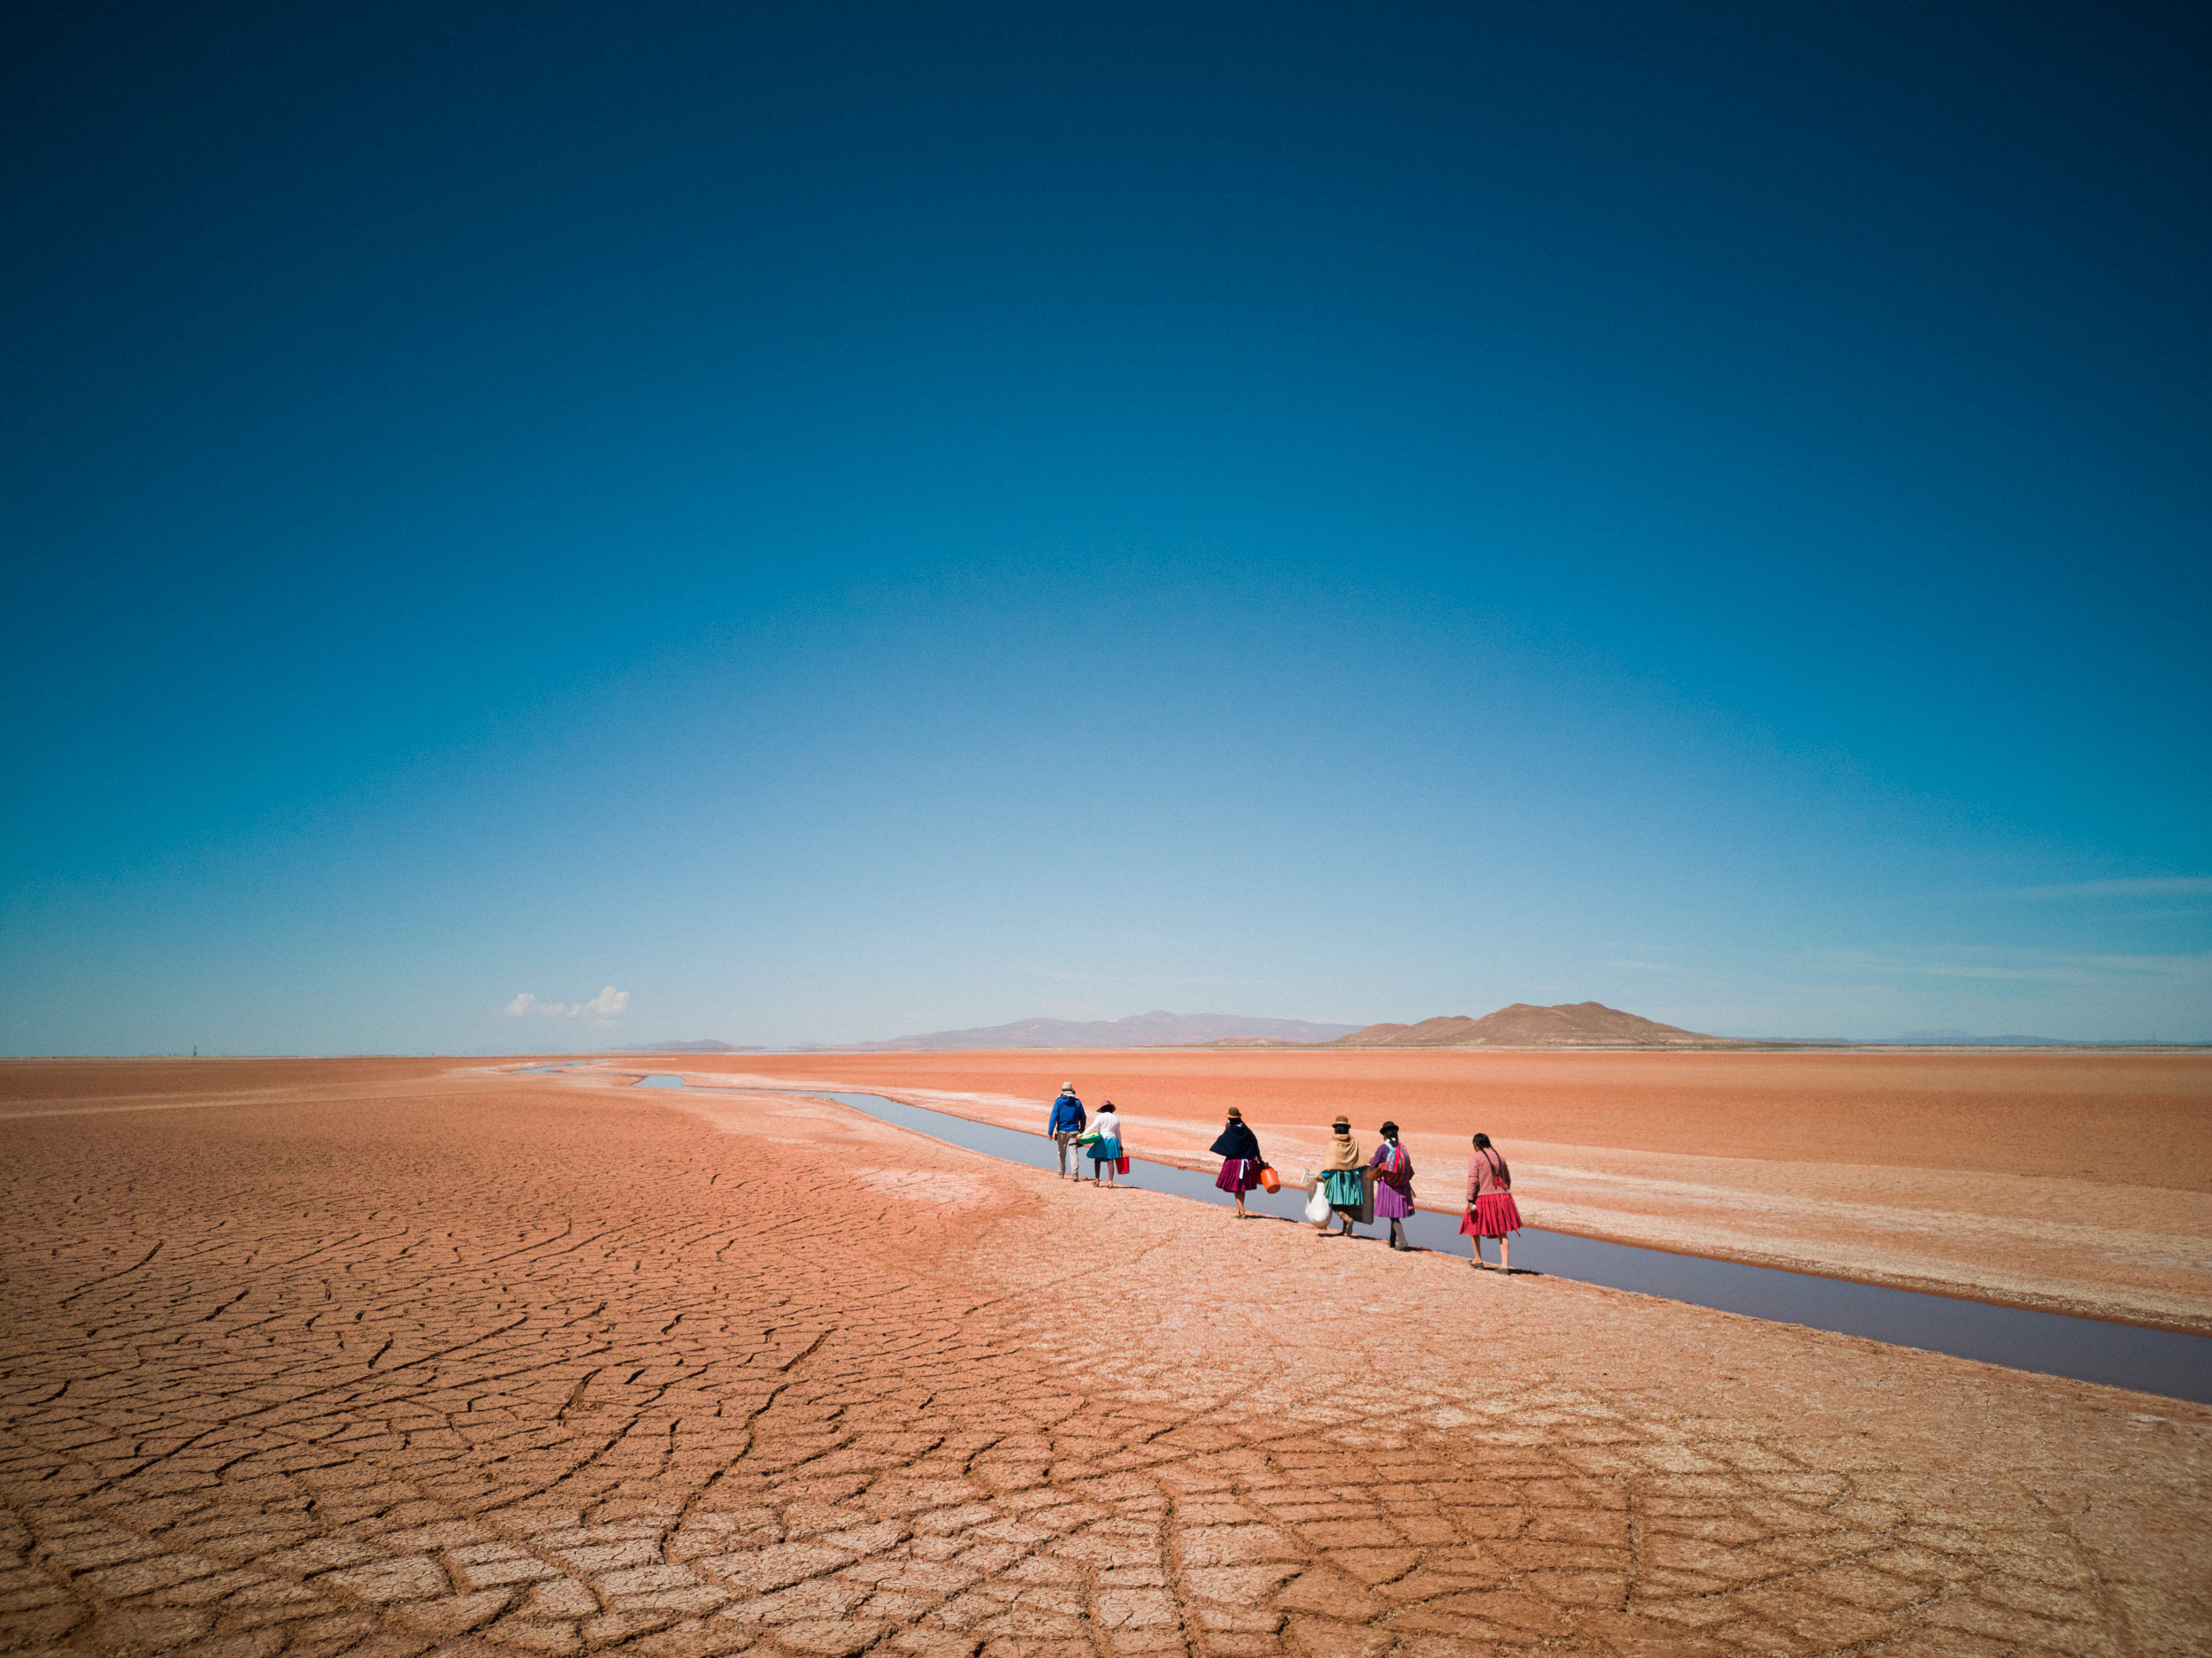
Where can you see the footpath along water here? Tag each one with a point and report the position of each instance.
(2167, 1361)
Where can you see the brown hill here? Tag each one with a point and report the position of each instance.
(1569, 1025)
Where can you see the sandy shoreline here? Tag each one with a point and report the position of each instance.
(477, 1363)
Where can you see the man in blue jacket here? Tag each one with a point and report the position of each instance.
(1065, 1123)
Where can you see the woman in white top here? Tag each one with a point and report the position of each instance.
(1106, 1154)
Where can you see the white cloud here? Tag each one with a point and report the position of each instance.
(2163, 886)
(2033, 975)
(607, 1004)
(2032, 966)
(2174, 964)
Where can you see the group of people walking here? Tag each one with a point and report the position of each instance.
(1350, 1187)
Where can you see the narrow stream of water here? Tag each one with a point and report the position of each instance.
(2165, 1361)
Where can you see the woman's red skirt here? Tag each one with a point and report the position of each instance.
(1493, 1215)
(1238, 1174)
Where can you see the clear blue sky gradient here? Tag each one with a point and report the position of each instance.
(838, 521)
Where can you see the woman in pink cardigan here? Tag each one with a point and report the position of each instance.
(1491, 1210)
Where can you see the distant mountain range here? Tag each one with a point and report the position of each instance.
(707, 1046)
(1157, 1029)
(1579, 1025)
(1569, 1024)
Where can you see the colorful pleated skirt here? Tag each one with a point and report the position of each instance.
(1493, 1215)
(1346, 1188)
(1239, 1174)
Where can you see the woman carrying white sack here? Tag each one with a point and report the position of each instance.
(1343, 1188)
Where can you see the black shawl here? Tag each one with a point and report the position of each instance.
(1237, 1141)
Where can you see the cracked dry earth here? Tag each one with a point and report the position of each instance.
(377, 1362)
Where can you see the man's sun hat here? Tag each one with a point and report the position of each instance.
(1343, 1125)
(1067, 1088)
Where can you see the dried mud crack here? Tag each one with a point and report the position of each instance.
(462, 1364)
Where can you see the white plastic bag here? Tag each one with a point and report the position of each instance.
(1317, 1205)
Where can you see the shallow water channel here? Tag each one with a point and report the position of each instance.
(2166, 1362)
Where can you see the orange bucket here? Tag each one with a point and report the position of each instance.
(1269, 1179)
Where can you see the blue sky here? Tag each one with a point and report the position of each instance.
(810, 524)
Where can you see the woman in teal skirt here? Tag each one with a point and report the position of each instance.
(1344, 1178)
(1106, 1153)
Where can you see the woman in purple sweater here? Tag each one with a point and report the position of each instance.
(1394, 1185)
